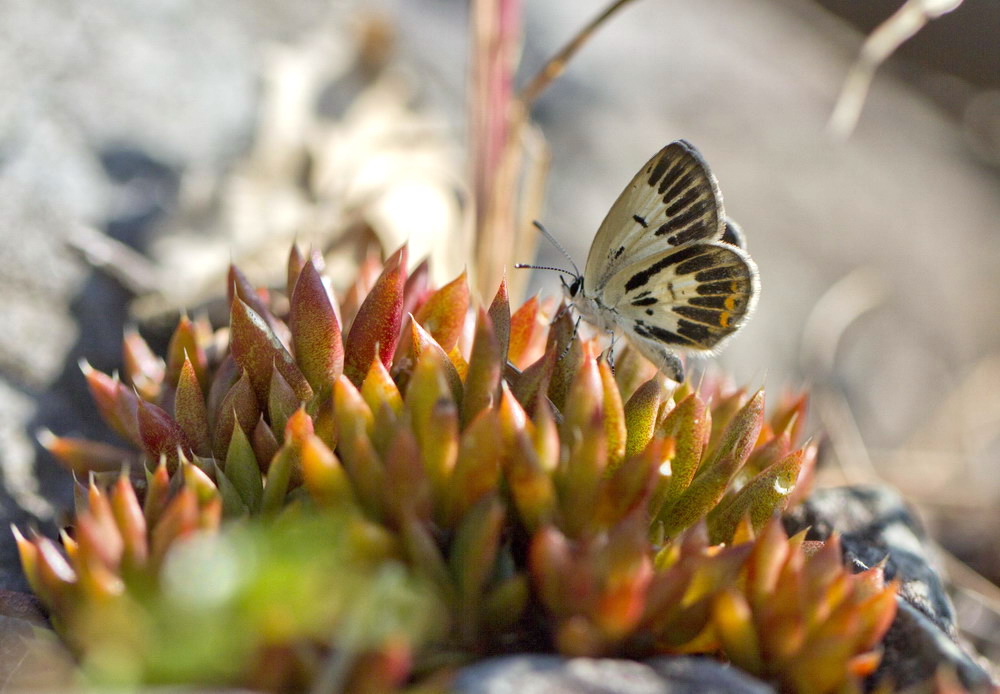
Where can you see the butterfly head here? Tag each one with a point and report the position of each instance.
(573, 288)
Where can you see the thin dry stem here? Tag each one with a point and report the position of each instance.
(878, 46)
(556, 65)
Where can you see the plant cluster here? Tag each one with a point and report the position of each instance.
(363, 492)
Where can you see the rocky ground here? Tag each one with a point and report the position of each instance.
(112, 105)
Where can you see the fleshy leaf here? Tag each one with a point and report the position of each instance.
(116, 403)
(424, 344)
(734, 621)
(265, 444)
(531, 487)
(143, 369)
(238, 405)
(375, 329)
(417, 286)
(641, 414)
(578, 479)
(179, 520)
(233, 505)
(473, 555)
(443, 314)
(688, 424)
(565, 344)
(257, 350)
(378, 388)
(296, 261)
(157, 493)
(323, 474)
(723, 463)
(282, 401)
(240, 286)
(614, 416)
(408, 488)
(161, 435)
(225, 378)
(482, 383)
(83, 456)
(190, 410)
(760, 498)
(477, 471)
(523, 324)
(499, 313)
(316, 338)
(279, 474)
(131, 523)
(533, 382)
(185, 346)
(585, 399)
(243, 470)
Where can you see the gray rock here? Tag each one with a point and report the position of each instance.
(705, 676)
(875, 524)
(551, 674)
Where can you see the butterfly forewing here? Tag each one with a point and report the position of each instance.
(673, 201)
(691, 297)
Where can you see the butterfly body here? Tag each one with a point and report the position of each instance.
(666, 267)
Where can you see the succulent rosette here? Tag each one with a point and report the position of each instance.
(366, 490)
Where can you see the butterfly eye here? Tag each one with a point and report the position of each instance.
(574, 287)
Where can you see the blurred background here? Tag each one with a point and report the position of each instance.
(144, 144)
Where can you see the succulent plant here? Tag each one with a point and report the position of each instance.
(363, 492)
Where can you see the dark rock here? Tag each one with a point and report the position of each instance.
(915, 647)
(551, 674)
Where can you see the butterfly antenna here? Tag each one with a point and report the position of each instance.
(525, 266)
(552, 240)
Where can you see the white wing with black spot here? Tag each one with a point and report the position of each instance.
(689, 298)
(673, 201)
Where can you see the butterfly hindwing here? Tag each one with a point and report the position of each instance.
(673, 201)
(689, 298)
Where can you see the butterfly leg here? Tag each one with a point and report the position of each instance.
(611, 350)
(572, 338)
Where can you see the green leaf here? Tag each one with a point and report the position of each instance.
(688, 424)
(477, 472)
(233, 505)
(278, 476)
(473, 555)
(641, 414)
(243, 470)
(764, 495)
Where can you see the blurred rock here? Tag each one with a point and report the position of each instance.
(550, 674)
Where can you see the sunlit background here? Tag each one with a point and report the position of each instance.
(184, 131)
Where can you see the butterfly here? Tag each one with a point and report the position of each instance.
(667, 268)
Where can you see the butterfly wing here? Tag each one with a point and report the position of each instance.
(674, 200)
(690, 298)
